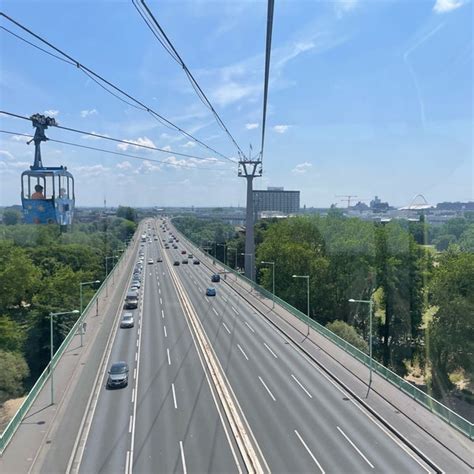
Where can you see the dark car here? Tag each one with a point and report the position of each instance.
(215, 278)
(183, 252)
(118, 375)
(184, 261)
(196, 261)
(211, 291)
(176, 263)
(159, 259)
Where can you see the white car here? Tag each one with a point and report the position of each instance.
(127, 320)
(150, 262)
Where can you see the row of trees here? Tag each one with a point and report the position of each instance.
(40, 272)
(350, 258)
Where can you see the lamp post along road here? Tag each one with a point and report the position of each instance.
(106, 274)
(51, 347)
(80, 292)
(225, 252)
(369, 302)
(273, 280)
(307, 282)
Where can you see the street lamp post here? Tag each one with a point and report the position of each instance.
(106, 273)
(235, 250)
(225, 252)
(51, 347)
(307, 282)
(369, 302)
(80, 292)
(273, 280)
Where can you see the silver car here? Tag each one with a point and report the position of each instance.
(127, 320)
(118, 375)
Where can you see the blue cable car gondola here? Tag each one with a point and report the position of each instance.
(47, 193)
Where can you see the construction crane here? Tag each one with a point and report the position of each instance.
(347, 198)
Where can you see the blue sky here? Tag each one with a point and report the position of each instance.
(366, 97)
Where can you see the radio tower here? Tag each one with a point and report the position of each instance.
(250, 169)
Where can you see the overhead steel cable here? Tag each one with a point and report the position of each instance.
(102, 150)
(84, 68)
(268, 51)
(159, 33)
(117, 140)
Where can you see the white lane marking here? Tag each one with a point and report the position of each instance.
(136, 356)
(215, 312)
(200, 289)
(158, 281)
(134, 374)
(163, 273)
(248, 325)
(150, 273)
(168, 354)
(207, 299)
(301, 385)
(241, 350)
(268, 390)
(138, 341)
(159, 291)
(162, 314)
(127, 461)
(234, 310)
(225, 299)
(161, 301)
(164, 330)
(174, 396)
(355, 447)
(271, 352)
(226, 328)
(133, 395)
(130, 424)
(183, 461)
(309, 451)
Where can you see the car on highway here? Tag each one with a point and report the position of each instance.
(175, 246)
(127, 320)
(167, 246)
(134, 287)
(183, 252)
(150, 262)
(190, 255)
(215, 278)
(184, 261)
(118, 375)
(196, 261)
(176, 263)
(211, 291)
(159, 259)
(131, 300)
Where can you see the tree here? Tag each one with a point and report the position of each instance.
(442, 242)
(127, 213)
(466, 241)
(11, 217)
(348, 333)
(450, 336)
(14, 370)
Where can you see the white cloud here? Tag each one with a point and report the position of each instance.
(251, 126)
(166, 148)
(145, 141)
(124, 165)
(90, 137)
(7, 155)
(20, 138)
(301, 168)
(189, 144)
(443, 6)
(281, 128)
(149, 167)
(345, 6)
(231, 92)
(51, 113)
(86, 113)
(88, 171)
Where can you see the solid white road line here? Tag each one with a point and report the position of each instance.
(268, 390)
(355, 447)
(174, 396)
(164, 329)
(183, 461)
(130, 424)
(241, 350)
(168, 354)
(271, 352)
(248, 325)
(234, 310)
(301, 385)
(226, 328)
(310, 453)
(215, 312)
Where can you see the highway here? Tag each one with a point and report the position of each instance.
(169, 418)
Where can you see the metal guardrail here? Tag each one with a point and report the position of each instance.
(434, 406)
(15, 422)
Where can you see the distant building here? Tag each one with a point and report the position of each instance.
(378, 206)
(455, 206)
(276, 200)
